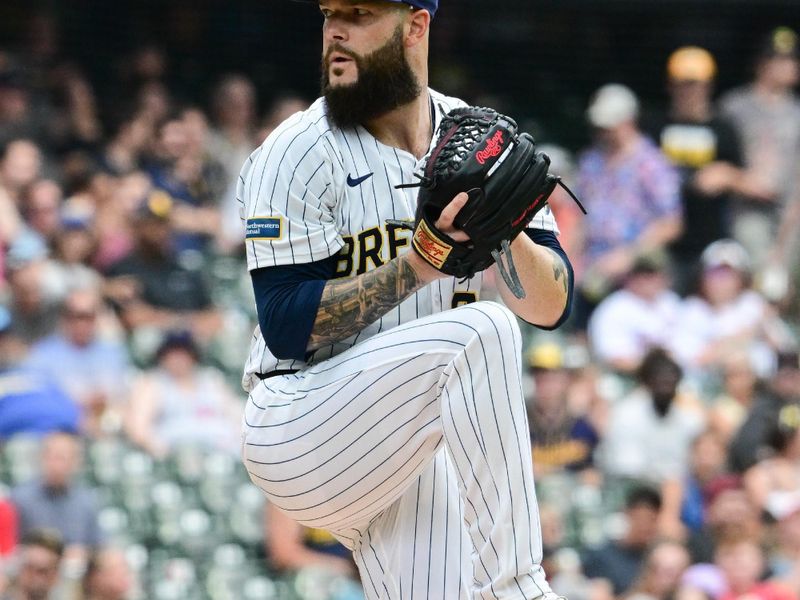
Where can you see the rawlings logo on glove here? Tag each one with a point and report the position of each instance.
(493, 148)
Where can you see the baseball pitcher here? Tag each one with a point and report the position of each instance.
(385, 402)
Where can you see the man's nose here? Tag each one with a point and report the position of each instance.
(335, 31)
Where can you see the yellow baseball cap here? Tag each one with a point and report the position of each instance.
(546, 356)
(691, 63)
(781, 42)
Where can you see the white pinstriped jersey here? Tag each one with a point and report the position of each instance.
(312, 190)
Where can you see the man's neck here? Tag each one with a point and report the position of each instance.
(623, 146)
(769, 92)
(408, 127)
(695, 113)
(549, 413)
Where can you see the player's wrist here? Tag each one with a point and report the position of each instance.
(426, 272)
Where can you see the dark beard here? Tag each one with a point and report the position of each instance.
(385, 82)
(662, 403)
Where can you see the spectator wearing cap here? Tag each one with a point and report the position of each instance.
(92, 369)
(560, 439)
(620, 561)
(630, 191)
(766, 113)
(705, 149)
(38, 567)
(726, 314)
(751, 442)
(639, 316)
(181, 402)
(150, 287)
(57, 500)
(650, 431)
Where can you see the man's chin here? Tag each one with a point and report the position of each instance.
(342, 81)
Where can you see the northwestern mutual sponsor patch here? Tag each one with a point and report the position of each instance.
(264, 228)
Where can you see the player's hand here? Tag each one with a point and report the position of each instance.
(445, 224)
(445, 221)
(715, 178)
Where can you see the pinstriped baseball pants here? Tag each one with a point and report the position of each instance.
(411, 447)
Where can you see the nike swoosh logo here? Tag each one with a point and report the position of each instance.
(355, 182)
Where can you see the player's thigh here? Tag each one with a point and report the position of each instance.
(338, 442)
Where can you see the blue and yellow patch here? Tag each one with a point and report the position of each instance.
(264, 228)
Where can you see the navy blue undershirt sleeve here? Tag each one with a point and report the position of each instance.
(549, 240)
(288, 296)
(287, 300)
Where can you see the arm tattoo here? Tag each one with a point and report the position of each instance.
(348, 305)
(559, 270)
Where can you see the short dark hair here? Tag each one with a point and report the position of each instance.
(49, 539)
(655, 361)
(643, 495)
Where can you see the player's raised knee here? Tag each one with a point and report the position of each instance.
(491, 318)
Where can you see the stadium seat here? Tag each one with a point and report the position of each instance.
(261, 587)
(245, 518)
(21, 458)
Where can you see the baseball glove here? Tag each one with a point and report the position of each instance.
(481, 152)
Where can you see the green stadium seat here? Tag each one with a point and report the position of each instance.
(114, 522)
(262, 587)
(104, 458)
(21, 458)
(245, 518)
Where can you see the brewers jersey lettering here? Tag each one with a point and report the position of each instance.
(409, 440)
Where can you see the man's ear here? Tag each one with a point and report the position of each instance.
(417, 27)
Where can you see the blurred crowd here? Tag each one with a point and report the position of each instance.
(664, 417)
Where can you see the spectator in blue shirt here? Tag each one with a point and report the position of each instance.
(56, 500)
(93, 370)
(29, 403)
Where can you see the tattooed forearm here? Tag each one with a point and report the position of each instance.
(349, 305)
(559, 269)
